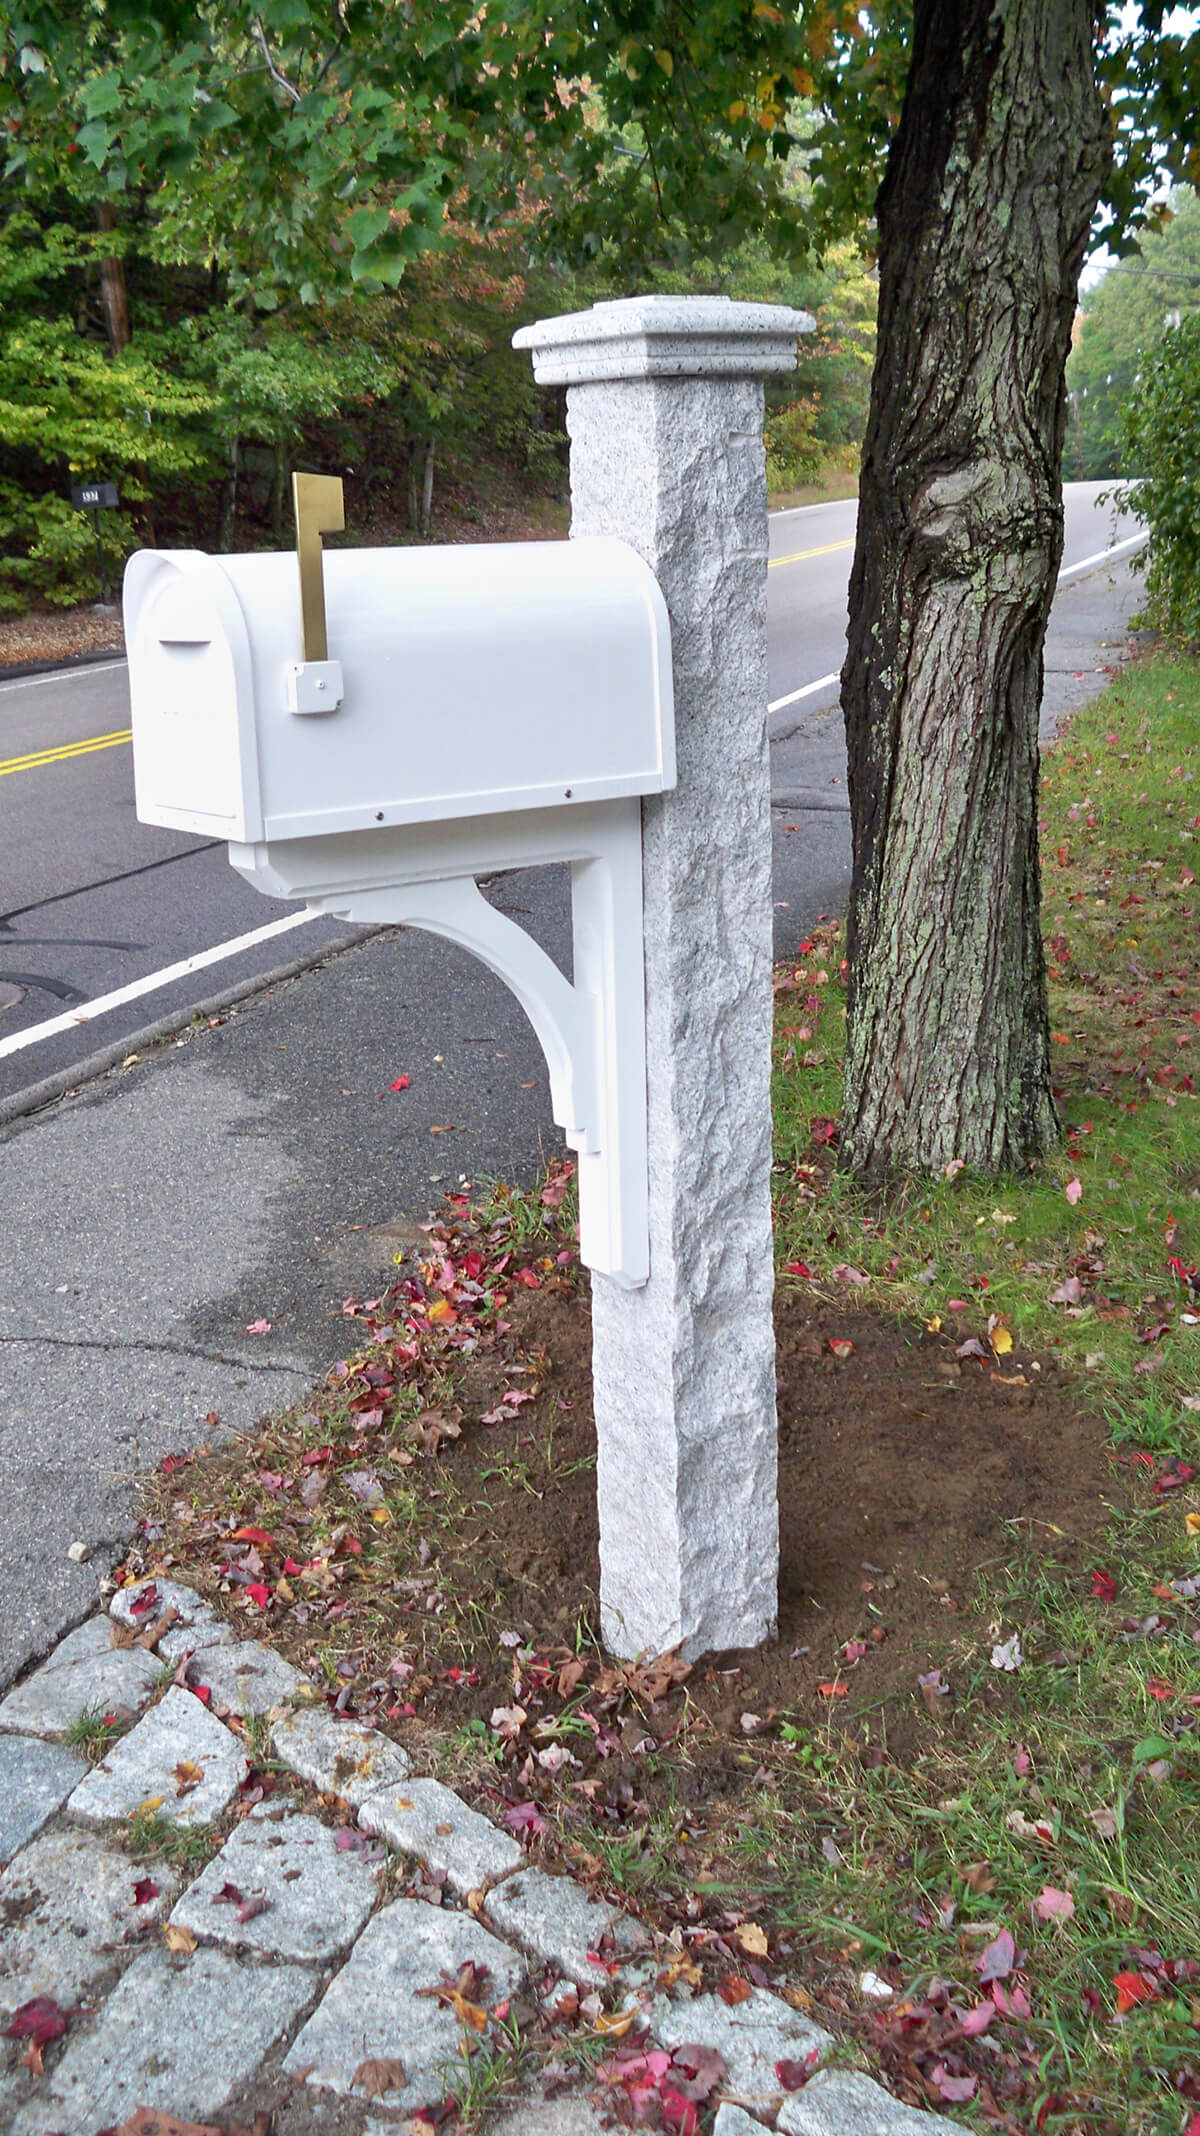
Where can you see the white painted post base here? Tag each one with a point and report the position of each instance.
(665, 418)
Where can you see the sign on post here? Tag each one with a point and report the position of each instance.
(97, 497)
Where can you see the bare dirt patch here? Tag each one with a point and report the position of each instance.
(905, 1475)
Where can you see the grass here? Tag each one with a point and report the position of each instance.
(93, 1733)
(1121, 842)
(835, 485)
(1072, 1820)
(149, 1837)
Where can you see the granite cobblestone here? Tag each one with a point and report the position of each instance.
(318, 1973)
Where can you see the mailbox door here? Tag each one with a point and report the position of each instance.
(191, 697)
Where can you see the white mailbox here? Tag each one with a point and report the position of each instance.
(454, 712)
(468, 681)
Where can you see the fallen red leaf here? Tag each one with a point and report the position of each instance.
(792, 2073)
(1133, 1988)
(40, 2020)
(734, 1989)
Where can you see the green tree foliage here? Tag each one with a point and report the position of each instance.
(305, 150)
(1161, 438)
(1127, 312)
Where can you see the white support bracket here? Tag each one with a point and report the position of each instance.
(592, 1030)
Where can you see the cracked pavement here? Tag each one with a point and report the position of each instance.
(261, 1168)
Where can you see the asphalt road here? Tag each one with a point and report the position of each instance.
(93, 903)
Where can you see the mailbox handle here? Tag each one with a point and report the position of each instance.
(320, 506)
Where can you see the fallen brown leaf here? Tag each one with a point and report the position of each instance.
(156, 2121)
(377, 2075)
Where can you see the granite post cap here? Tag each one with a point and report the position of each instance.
(664, 337)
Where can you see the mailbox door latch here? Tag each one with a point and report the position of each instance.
(313, 685)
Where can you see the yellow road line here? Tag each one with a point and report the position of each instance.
(801, 556)
(60, 754)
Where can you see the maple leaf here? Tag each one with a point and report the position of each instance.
(734, 1989)
(379, 2074)
(793, 2072)
(39, 2021)
(1052, 1905)
(998, 1959)
(952, 2089)
(1133, 1988)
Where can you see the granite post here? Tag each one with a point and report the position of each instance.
(665, 415)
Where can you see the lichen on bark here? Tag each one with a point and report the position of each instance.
(984, 213)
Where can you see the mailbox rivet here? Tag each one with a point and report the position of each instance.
(379, 815)
(567, 795)
(319, 685)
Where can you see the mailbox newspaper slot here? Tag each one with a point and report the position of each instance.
(481, 708)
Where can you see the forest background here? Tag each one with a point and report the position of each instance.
(181, 342)
(193, 349)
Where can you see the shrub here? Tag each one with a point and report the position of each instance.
(49, 550)
(795, 453)
(1161, 447)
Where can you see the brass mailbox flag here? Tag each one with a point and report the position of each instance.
(320, 509)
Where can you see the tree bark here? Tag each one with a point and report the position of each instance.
(983, 216)
(427, 489)
(279, 490)
(113, 292)
(227, 508)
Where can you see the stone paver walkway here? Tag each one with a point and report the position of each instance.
(342, 1951)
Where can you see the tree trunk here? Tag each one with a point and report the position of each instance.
(227, 509)
(279, 490)
(427, 489)
(113, 292)
(414, 487)
(983, 219)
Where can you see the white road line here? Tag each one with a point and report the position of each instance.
(88, 1011)
(830, 504)
(37, 682)
(1088, 563)
(810, 690)
(1070, 571)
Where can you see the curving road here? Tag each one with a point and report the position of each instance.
(95, 905)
